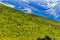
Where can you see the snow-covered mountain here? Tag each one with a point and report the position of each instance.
(46, 8)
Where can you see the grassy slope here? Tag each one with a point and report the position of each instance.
(16, 25)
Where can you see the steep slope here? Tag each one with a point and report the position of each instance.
(16, 25)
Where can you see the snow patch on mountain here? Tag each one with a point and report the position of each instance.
(28, 10)
(12, 6)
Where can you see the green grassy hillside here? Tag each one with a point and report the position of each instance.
(16, 25)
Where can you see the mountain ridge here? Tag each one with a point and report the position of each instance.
(51, 5)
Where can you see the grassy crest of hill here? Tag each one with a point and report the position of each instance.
(16, 25)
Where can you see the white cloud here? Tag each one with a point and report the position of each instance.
(0, 0)
(48, 3)
(53, 12)
(51, 5)
(25, 0)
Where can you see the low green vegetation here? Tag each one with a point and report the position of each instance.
(16, 25)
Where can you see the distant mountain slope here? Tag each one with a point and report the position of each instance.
(16, 25)
(46, 8)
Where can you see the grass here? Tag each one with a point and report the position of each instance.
(16, 25)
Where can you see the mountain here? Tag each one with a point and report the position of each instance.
(16, 25)
(45, 8)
